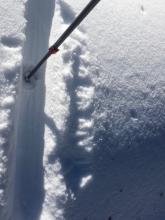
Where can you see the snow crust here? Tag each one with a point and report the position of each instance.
(86, 140)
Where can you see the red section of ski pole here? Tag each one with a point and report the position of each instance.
(53, 50)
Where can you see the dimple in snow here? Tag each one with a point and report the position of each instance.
(54, 48)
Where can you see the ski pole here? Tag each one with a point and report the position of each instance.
(54, 48)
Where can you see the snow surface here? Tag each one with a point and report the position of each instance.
(86, 139)
(12, 24)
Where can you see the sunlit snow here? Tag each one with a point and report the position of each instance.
(85, 140)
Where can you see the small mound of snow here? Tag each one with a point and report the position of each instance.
(8, 101)
(85, 180)
(4, 126)
(85, 124)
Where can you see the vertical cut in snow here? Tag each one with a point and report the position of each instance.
(28, 172)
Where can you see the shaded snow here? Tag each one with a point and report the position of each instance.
(91, 144)
(68, 101)
(126, 41)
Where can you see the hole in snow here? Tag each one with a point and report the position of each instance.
(142, 8)
(133, 114)
(10, 41)
(161, 194)
(51, 158)
(121, 190)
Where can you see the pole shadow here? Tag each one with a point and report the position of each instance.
(76, 162)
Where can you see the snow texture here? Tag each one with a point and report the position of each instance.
(86, 139)
(12, 25)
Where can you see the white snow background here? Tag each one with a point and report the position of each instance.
(86, 139)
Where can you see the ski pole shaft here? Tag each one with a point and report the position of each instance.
(54, 48)
(32, 72)
(76, 22)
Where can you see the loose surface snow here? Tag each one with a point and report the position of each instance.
(11, 41)
(86, 139)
